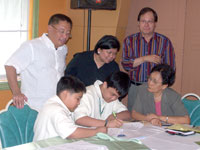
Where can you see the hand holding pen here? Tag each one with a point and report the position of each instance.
(114, 123)
(114, 115)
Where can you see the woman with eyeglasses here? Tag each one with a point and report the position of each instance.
(95, 65)
(156, 102)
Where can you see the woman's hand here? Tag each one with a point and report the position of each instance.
(149, 117)
(155, 121)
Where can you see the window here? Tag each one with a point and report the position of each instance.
(14, 15)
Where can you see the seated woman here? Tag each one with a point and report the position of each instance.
(95, 65)
(156, 102)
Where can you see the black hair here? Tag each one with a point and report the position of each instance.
(59, 17)
(107, 42)
(167, 73)
(145, 10)
(119, 81)
(71, 84)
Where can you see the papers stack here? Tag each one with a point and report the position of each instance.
(184, 128)
(182, 133)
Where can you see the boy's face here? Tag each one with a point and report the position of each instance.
(72, 100)
(109, 94)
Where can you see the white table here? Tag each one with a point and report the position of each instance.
(156, 138)
(153, 137)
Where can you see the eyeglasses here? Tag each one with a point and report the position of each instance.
(63, 32)
(146, 21)
(153, 80)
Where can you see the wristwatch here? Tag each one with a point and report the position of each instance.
(167, 119)
(106, 122)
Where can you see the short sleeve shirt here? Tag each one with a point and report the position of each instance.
(40, 67)
(54, 119)
(84, 67)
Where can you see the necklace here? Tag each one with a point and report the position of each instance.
(158, 98)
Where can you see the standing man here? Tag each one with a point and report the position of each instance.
(40, 63)
(143, 50)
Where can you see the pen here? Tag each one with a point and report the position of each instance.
(121, 135)
(114, 114)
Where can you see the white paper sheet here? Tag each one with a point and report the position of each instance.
(134, 130)
(127, 131)
(132, 125)
(156, 138)
(79, 145)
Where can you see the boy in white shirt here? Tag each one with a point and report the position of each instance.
(55, 118)
(100, 102)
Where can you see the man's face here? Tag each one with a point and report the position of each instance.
(147, 24)
(109, 94)
(59, 33)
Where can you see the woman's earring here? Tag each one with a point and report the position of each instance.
(98, 52)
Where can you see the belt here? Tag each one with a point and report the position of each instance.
(136, 83)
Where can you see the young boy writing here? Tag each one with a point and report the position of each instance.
(55, 118)
(100, 105)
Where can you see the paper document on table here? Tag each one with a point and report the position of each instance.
(79, 145)
(127, 131)
(135, 130)
(132, 125)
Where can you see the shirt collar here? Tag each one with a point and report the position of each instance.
(140, 37)
(58, 100)
(49, 43)
(99, 93)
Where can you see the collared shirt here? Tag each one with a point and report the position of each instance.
(93, 105)
(84, 67)
(54, 119)
(135, 46)
(40, 67)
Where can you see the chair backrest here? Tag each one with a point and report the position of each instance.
(16, 125)
(193, 107)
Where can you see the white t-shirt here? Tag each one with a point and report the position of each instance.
(54, 119)
(40, 67)
(93, 105)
